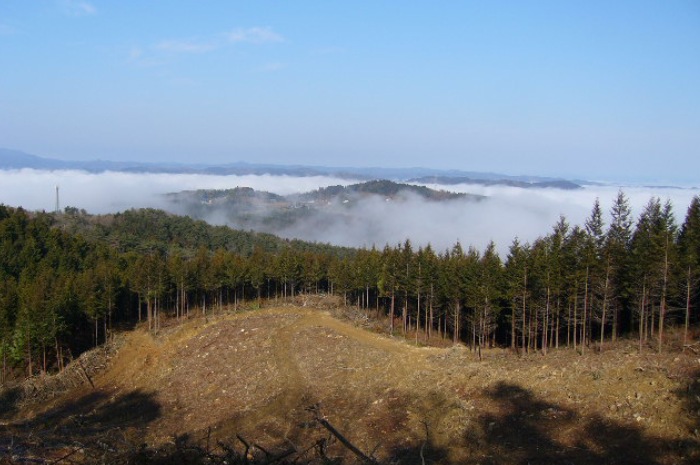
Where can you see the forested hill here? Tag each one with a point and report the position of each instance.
(66, 279)
(151, 230)
(452, 180)
(295, 215)
(384, 188)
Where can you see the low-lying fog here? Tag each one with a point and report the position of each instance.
(507, 213)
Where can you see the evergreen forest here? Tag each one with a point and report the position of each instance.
(68, 280)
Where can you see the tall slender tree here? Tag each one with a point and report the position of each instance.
(689, 249)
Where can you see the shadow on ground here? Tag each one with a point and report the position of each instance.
(516, 427)
(523, 429)
(93, 423)
(9, 399)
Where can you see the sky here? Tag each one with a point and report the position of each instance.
(594, 90)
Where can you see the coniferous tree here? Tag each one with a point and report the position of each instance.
(599, 279)
(388, 283)
(576, 276)
(669, 231)
(516, 289)
(489, 291)
(555, 279)
(428, 262)
(617, 255)
(652, 243)
(8, 314)
(689, 250)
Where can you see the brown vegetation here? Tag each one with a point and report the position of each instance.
(211, 386)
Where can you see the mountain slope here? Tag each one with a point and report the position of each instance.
(256, 373)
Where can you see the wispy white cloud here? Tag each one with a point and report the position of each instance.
(185, 46)
(139, 57)
(163, 51)
(254, 35)
(77, 7)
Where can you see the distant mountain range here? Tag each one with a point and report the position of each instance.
(511, 181)
(15, 159)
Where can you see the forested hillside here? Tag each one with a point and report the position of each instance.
(246, 208)
(66, 280)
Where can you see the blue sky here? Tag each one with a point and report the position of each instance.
(591, 89)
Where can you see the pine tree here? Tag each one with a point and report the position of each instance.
(599, 269)
(516, 288)
(689, 246)
(489, 291)
(617, 255)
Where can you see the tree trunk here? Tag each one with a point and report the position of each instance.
(455, 333)
(575, 332)
(524, 307)
(512, 326)
(641, 316)
(417, 316)
(404, 314)
(545, 324)
(605, 305)
(662, 308)
(4, 362)
(430, 305)
(148, 310)
(568, 326)
(59, 362)
(585, 314)
(687, 311)
(391, 315)
(558, 322)
(29, 355)
(615, 315)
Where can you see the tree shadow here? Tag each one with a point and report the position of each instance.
(529, 430)
(93, 421)
(689, 394)
(524, 429)
(9, 398)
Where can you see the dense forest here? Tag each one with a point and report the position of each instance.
(68, 279)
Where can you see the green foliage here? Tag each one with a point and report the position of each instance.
(65, 279)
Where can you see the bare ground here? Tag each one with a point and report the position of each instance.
(256, 373)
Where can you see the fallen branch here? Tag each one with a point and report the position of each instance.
(68, 455)
(316, 409)
(690, 346)
(80, 363)
(246, 455)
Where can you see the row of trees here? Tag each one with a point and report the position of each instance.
(574, 286)
(66, 280)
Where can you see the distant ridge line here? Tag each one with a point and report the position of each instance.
(17, 159)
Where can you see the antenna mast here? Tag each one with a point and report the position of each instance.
(58, 208)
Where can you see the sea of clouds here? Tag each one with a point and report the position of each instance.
(505, 214)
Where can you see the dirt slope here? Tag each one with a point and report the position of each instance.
(256, 373)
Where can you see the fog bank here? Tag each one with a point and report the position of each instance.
(507, 213)
(117, 191)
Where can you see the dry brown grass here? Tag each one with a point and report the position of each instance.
(255, 373)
